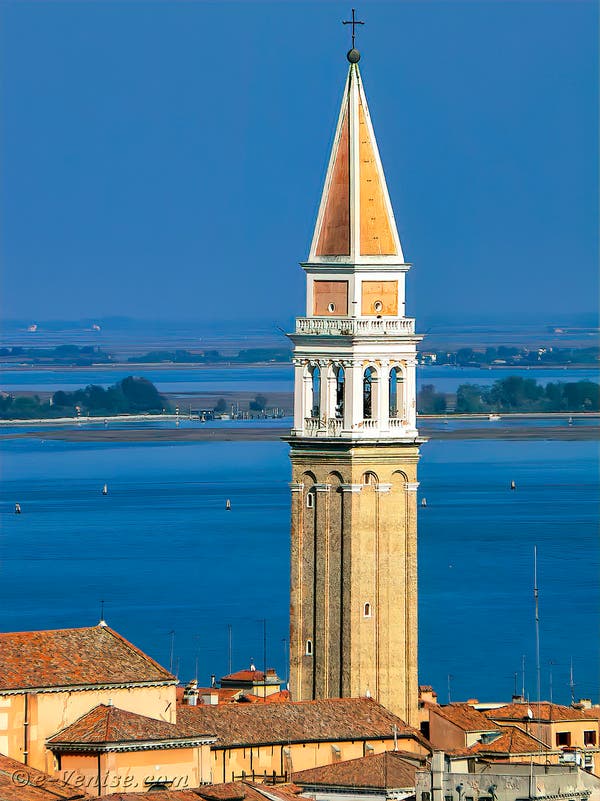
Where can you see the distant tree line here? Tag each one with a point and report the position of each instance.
(81, 356)
(130, 396)
(247, 356)
(516, 394)
(511, 356)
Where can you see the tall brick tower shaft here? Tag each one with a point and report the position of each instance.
(354, 445)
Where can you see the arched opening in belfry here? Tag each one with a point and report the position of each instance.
(340, 382)
(316, 393)
(368, 380)
(396, 392)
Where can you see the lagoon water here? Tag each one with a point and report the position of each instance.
(165, 555)
(259, 378)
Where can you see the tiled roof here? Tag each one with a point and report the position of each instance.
(383, 771)
(333, 719)
(19, 782)
(245, 675)
(512, 740)
(156, 795)
(110, 725)
(74, 658)
(463, 716)
(248, 791)
(544, 711)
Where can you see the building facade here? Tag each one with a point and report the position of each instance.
(354, 444)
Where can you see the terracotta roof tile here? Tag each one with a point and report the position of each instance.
(156, 795)
(108, 724)
(546, 712)
(332, 719)
(19, 782)
(247, 791)
(463, 716)
(512, 740)
(388, 770)
(74, 657)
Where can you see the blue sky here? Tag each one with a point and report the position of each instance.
(165, 159)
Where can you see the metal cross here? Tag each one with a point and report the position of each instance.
(354, 22)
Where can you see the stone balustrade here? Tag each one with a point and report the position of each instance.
(355, 326)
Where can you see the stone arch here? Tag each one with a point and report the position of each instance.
(397, 379)
(369, 393)
(340, 390)
(315, 390)
(369, 478)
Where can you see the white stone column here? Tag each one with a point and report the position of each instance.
(383, 399)
(331, 391)
(410, 395)
(356, 397)
(299, 393)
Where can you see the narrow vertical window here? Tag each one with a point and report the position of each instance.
(339, 392)
(310, 500)
(309, 648)
(316, 392)
(368, 393)
(396, 392)
(367, 610)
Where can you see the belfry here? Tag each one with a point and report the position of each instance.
(354, 444)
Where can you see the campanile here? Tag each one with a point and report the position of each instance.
(354, 444)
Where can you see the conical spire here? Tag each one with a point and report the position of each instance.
(355, 223)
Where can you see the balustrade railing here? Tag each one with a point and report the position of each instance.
(354, 326)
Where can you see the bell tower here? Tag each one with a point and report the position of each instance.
(354, 444)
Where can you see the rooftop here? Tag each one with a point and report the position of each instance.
(463, 716)
(18, 782)
(389, 770)
(106, 725)
(74, 658)
(333, 719)
(512, 740)
(544, 711)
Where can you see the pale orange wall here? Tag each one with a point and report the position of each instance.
(444, 734)
(51, 712)
(233, 761)
(546, 732)
(133, 770)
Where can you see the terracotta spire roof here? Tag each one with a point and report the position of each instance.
(74, 658)
(355, 222)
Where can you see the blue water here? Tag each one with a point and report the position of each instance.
(263, 378)
(164, 554)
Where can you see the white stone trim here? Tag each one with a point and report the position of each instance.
(351, 487)
(296, 486)
(321, 487)
(411, 486)
(383, 488)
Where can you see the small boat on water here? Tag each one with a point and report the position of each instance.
(105, 489)
(228, 505)
(17, 508)
(493, 418)
(423, 501)
(513, 486)
(570, 421)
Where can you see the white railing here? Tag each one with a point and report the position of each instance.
(395, 422)
(355, 326)
(334, 427)
(311, 425)
(369, 423)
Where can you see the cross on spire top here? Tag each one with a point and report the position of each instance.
(354, 22)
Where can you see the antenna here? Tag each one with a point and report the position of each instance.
(265, 657)
(172, 636)
(537, 634)
(229, 632)
(285, 660)
(102, 621)
(572, 683)
(523, 676)
(450, 677)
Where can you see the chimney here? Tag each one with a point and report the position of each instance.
(437, 775)
(190, 693)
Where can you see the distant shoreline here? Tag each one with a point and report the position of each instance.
(232, 364)
(268, 432)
